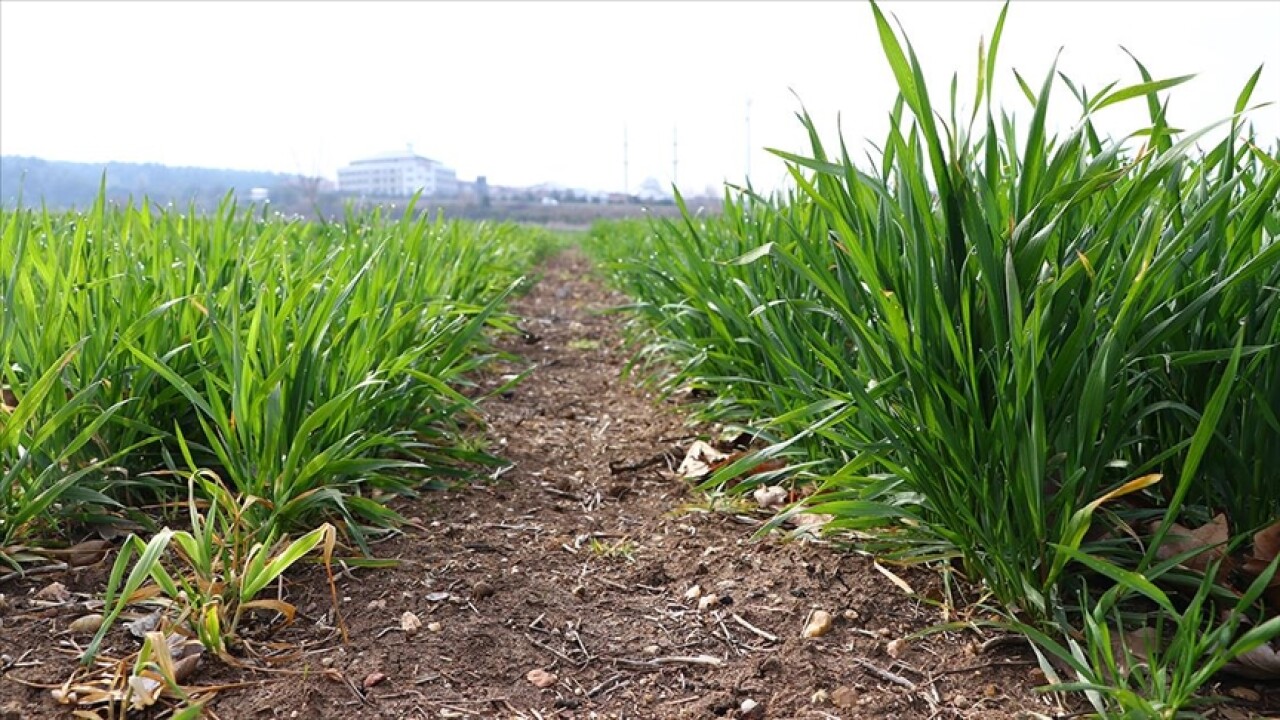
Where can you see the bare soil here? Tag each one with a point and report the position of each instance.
(578, 561)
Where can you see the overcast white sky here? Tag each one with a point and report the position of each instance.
(526, 92)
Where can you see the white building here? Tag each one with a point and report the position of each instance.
(398, 174)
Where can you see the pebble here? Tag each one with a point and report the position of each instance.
(651, 649)
(86, 624)
(751, 710)
(693, 593)
(410, 623)
(707, 602)
(375, 605)
(844, 697)
(434, 626)
(990, 690)
(819, 624)
(372, 679)
(481, 590)
(1245, 694)
(897, 648)
(541, 678)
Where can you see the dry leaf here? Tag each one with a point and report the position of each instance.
(1260, 663)
(143, 625)
(809, 520)
(768, 496)
(698, 460)
(1212, 536)
(144, 691)
(1266, 545)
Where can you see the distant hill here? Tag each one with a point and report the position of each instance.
(62, 185)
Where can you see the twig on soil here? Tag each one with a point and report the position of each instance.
(604, 685)
(562, 493)
(733, 644)
(885, 674)
(617, 469)
(671, 660)
(56, 567)
(555, 652)
(1000, 641)
(939, 674)
(767, 636)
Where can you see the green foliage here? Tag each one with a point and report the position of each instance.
(314, 368)
(985, 341)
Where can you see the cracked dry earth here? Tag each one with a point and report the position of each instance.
(578, 562)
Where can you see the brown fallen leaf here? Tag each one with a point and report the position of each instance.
(1266, 545)
(1260, 663)
(1210, 539)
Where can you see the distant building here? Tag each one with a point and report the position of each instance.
(398, 174)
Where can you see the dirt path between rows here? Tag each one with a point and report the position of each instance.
(580, 562)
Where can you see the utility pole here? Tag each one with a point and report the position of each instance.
(674, 155)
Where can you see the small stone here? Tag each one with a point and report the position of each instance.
(541, 678)
(751, 710)
(54, 592)
(706, 602)
(437, 596)
(990, 690)
(769, 496)
(579, 591)
(819, 697)
(651, 649)
(481, 590)
(693, 593)
(1036, 676)
(410, 623)
(372, 679)
(326, 661)
(1245, 694)
(960, 701)
(86, 624)
(850, 614)
(434, 627)
(375, 605)
(819, 624)
(897, 648)
(844, 697)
